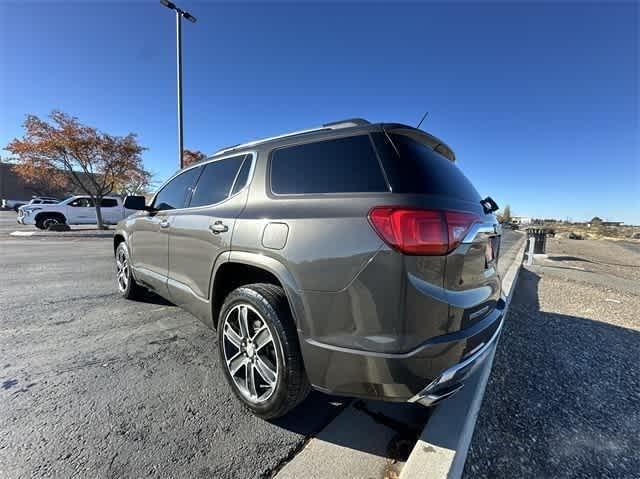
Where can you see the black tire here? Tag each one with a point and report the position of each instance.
(292, 385)
(127, 285)
(43, 221)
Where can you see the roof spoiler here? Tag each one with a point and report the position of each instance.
(436, 144)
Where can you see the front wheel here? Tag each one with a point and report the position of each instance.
(259, 350)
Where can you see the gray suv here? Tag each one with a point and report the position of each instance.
(354, 259)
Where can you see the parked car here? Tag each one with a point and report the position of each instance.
(40, 200)
(75, 210)
(355, 259)
(13, 204)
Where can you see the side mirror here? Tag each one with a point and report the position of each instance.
(489, 205)
(135, 203)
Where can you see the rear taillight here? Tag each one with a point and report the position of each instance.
(421, 232)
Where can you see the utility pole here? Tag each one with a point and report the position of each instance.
(179, 14)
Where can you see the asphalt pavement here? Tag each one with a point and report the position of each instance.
(97, 386)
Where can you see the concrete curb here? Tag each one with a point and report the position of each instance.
(442, 448)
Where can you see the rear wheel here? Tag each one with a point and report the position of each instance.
(259, 350)
(127, 285)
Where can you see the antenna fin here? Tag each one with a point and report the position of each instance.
(423, 117)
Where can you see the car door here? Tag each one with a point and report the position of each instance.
(149, 240)
(201, 233)
(81, 211)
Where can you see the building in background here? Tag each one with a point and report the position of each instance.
(522, 220)
(14, 188)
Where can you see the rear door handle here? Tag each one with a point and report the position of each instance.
(218, 227)
(164, 223)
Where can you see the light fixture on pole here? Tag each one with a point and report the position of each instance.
(179, 15)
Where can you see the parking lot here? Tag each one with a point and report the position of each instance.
(99, 386)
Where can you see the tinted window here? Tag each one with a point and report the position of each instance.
(243, 176)
(343, 165)
(419, 169)
(109, 203)
(174, 193)
(82, 203)
(215, 182)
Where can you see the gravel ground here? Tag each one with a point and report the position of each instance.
(563, 398)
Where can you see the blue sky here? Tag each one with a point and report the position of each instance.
(539, 101)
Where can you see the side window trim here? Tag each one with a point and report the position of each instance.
(233, 183)
(377, 153)
(192, 188)
(251, 155)
(170, 180)
(195, 185)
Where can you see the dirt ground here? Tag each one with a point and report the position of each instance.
(617, 258)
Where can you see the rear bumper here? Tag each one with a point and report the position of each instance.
(442, 364)
(452, 379)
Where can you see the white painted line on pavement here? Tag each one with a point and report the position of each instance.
(22, 233)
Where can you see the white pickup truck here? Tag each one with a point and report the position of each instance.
(76, 210)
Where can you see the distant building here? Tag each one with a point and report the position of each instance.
(522, 220)
(13, 187)
(598, 222)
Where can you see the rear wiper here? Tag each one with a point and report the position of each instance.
(488, 205)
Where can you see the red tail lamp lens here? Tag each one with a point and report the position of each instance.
(421, 232)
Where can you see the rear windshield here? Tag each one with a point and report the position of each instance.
(421, 170)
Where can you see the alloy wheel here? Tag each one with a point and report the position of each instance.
(250, 353)
(50, 221)
(122, 270)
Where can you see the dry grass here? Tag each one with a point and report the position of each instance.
(597, 232)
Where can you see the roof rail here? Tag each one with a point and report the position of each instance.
(347, 123)
(336, 125)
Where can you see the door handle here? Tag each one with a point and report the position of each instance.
(164, 223)
(218, 227)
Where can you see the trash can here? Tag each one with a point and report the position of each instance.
(540, 236)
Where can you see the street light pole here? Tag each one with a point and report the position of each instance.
(179, 14)
(179, 86)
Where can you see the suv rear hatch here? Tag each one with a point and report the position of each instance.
(441, 226)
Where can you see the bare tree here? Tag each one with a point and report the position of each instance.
(505, 215)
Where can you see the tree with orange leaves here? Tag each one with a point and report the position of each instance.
(189, 157)
(66, 150)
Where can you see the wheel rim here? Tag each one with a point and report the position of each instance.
(122, 270)
(250, 353)
(50, 221)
